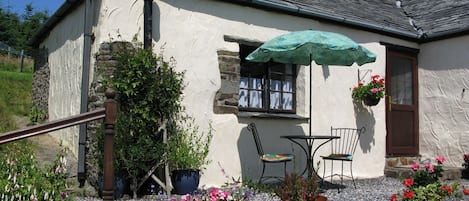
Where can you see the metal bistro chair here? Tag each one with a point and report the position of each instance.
(268, 158)
(342, 149)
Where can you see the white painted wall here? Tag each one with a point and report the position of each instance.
(65, 47)
(444, 99)
(192, 32)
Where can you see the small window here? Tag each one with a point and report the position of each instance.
(266, 87)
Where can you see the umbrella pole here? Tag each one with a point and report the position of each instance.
(310, 92)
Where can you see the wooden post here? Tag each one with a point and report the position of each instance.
(109, 125)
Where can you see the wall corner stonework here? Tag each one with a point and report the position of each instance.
(226, 98)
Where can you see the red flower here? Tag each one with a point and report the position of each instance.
(360, 84)
(465, 191)
(393, 197)
(448, 189)
(408, 194)
(408, 182)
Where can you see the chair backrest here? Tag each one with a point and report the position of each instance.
(348, 141)
(252, 128)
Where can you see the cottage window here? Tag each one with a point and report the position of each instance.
(266, 87)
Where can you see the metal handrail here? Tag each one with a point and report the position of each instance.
(108, 113)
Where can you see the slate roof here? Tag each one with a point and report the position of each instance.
(415, 20)
(419, 20)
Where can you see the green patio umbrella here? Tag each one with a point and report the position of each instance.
(303, 47)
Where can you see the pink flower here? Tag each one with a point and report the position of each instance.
(374, 90)
(186, 197)
(430, 167)
(440, 159)
(225, 195)
(415, 166)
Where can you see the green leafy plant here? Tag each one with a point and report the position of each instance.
(187, 147)
(149, 92)
(425, 184)
(21, 177)
(374, 89)
(37, 115)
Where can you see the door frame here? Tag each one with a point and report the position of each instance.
(394, 50)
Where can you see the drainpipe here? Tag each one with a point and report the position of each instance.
(87, 37)
(147, 23)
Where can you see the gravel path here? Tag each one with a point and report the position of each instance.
(376, 189)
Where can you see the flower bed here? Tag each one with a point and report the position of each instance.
(425, 184)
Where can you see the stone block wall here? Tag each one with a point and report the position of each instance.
(226, 98)
(103, 69)
(40, 88)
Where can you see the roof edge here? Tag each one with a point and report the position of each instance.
(269, 5)
(63, 11)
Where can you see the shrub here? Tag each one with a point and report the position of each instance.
(21, 177)
(297, 188)
(425, 184)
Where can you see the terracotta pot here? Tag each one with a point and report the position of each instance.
(370, 101)
(320, 198)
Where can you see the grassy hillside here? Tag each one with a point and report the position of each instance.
(15, 93)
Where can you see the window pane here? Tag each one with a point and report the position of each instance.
(243, 98)
(255, 99)
(277, 68)
(288, 84)
(243, 83)
(289, 69)
(256, 83)
(287, 101)
(275, 85)
(401, 81)
(275, 100)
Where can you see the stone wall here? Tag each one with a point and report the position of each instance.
(226, 98)
(40, 88)
(103, 69)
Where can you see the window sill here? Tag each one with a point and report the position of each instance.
(270, 115)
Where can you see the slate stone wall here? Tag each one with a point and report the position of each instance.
(226, 98)
(40, 87)
(104, 67)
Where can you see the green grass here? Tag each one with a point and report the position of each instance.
(15, 93)
(11, 63)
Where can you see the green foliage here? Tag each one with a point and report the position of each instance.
(188, 147)
(16, 30)
(149, 92)
(425, 184)
(15, 92)
(296, 188)
(374, 89)
(22, 179)
(37, 115)
(6, 122)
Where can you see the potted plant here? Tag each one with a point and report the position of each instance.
(369, 93)
(187, 151)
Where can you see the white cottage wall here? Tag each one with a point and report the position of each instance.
(65, 47)
(444, 99)
(192, 32)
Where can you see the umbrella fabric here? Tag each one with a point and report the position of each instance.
(302, 47)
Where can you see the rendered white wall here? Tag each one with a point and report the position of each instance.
(192, 32)
(65, 47)
(444, 99)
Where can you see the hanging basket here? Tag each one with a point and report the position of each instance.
(371, 101)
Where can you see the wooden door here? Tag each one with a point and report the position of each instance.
(401, 103)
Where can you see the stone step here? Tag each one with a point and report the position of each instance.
(449, 173)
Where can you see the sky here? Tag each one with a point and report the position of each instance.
(17, 6)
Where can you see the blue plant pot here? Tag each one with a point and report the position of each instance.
(119, 186)
(185, 181)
